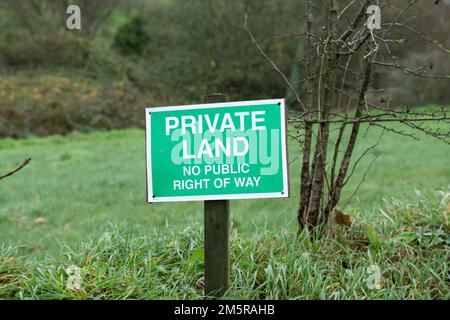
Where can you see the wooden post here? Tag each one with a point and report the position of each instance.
(217, 225)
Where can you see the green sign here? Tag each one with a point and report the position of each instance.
(232, 150)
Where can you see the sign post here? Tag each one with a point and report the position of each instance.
(215, 152)
(217, 247)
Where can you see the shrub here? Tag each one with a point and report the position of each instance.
(44, 50)
(55, 104)
(131, 38)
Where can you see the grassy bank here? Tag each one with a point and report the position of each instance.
(406, 240)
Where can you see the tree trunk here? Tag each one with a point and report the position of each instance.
(305, 186)
(313, 212)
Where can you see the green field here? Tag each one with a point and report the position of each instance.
(88, 190)
(77, 186)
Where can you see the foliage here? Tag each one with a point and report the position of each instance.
(47, 16)
(199, 47)
(185, 49)
(131, 38)
(56, 104)
(45, 51)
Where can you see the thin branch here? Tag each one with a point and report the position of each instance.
(409, 71)
(26, 162)
(361, 182)
(261, 51)
(375, 120)
(355, 165)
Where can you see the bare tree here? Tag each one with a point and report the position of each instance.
(339, 63)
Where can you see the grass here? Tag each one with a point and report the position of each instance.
(408, 243)
(56, 211)
(77, 185)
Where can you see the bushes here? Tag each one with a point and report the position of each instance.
(198, 47)
(45, 50)
(62, 50)
(55, 104)
(131, 38)
(177, 50)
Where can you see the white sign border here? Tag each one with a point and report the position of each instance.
(283, 194)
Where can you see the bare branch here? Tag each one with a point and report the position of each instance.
(261, 51)
(26, 162)
(374, 119)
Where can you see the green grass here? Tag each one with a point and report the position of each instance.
(80, 186)
(407, 241)
(77, 185)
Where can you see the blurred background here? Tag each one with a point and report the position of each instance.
(130, 54)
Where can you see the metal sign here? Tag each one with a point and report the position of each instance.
(231, 150)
